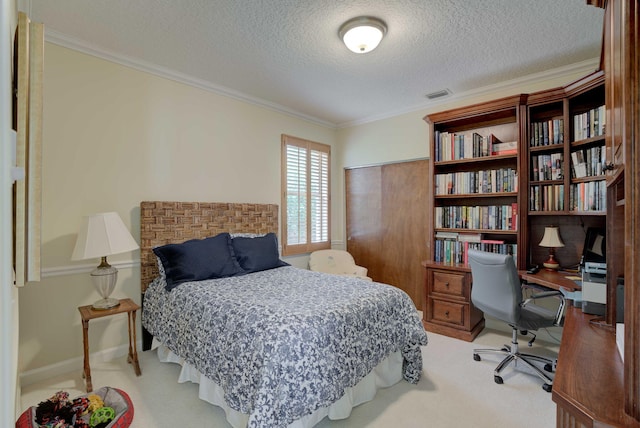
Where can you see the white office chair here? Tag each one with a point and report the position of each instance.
(337, 262)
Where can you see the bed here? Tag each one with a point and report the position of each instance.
(272, 344)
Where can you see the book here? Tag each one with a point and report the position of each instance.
(556, 130)
(469, 237)
(492, 241)
(477, 145)
(560, 128)
(446, 235)
(579, 166)
(503, 148)
(556, 171)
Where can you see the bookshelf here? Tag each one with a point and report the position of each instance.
(565, 166)
(545, 141)
(475, 166)
(587, 191)
(477, 203)
(502, 171)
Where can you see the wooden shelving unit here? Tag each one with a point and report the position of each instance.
(557, 194)
(481, 199)
(550, 188)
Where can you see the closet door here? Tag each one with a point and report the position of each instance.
(364, 218)
(386, 210)
(404, 219)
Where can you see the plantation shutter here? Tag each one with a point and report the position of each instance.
(306, 197)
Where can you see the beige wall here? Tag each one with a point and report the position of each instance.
(114, 136)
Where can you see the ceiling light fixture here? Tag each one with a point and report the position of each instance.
(362, 34)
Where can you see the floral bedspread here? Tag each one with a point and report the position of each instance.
(286, 341)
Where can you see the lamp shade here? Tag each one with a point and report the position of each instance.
(362, 34)
(551, 238)
(101, 235)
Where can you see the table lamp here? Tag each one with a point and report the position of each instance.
(102, 235)
(552, 240)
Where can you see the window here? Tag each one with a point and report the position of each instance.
(306, 195)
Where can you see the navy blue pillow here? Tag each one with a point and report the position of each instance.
(198, 259)
(256, 254)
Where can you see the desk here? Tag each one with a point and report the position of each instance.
(551, 279)
(588, 388)
(88, 313)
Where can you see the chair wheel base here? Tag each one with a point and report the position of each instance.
(476, 357)
(498, 379)
(549, 367)
(547, 387)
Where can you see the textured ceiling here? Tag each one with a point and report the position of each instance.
(286, 53)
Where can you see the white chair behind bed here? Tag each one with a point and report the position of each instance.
(337, 262)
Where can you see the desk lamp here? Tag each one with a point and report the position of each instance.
(552, 240)
(102, 235)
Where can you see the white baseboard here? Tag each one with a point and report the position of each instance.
(30, 377)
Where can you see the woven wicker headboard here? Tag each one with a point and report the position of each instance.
(163, 222)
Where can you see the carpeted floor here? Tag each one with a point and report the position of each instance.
(454, 391)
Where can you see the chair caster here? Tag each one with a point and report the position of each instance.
(498, 379)
(476, 357)
(547, 387)
(549, 367)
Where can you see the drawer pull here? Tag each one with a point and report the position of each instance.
(446, 313)
(446, 284)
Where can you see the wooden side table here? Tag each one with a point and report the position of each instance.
(88, 313)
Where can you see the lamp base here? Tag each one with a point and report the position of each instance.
(551, 263)
(107, 303)
(104, 278)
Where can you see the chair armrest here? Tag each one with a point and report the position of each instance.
(360, 270)
(545, 294)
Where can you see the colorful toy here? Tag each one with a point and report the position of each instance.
(56, 412)
(102, 416)
(95, 402)
(105, 408)
(80, 406)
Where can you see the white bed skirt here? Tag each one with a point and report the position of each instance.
(385, 374)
